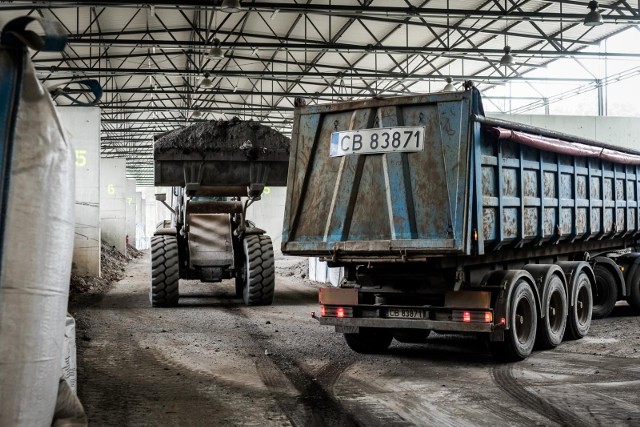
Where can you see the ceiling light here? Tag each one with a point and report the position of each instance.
(196, 113)
(593, 18)
(231, 6)
(216, 52)
(206, 81)
(507, 58)
(449, 87)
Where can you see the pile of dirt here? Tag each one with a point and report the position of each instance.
(133, 252)
(112, 265)
(299, 270)
(224, 135)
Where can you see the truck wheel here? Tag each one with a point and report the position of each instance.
(523, 320)
(606, 292)
(555, 307)
(634, 296)
(164, 271)
(369, 340)
(259, 270)
(579, 319)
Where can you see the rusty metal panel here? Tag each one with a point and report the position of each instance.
(219, 169)
(210, 240)
(531, 195)
(338, 296)
(470, 192)
(394, 203)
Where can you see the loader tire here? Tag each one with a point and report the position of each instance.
(164, 271)
(259, 270)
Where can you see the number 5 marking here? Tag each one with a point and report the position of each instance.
(81, 158)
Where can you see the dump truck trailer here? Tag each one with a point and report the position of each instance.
(446, 220)
(216, 171)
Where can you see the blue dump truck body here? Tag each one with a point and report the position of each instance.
(447, 220)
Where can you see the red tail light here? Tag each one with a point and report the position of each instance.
(466, 316)
(322, 311)
(340, 312)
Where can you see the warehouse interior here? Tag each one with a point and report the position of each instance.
(116, 80)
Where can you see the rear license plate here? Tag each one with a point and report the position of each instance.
(407, 313)
(377, 141)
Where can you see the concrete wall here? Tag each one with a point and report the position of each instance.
(154, 210)
(268, 214)
(113, 189)
(131, 211)
(141, 236)
(82, 126)
(621, 131)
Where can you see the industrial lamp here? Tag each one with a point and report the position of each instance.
(206, 81)
(593, 18)
(216, 52)
(196, 112)
(507, 58)
(449, 87)
(231, 6)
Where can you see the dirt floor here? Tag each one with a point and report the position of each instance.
(213, 361)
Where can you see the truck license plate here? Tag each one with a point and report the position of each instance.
(377, 141)
(406, 313)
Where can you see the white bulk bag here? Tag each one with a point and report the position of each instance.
(36, 261)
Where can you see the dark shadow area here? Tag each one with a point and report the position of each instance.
(463, 349)
(622, 309)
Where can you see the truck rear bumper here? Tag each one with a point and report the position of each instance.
(438, 325)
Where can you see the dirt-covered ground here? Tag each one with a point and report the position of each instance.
(212, 361)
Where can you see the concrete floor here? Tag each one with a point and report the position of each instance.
(213, 361)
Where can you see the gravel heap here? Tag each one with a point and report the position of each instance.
(215, 136)
(112, 264)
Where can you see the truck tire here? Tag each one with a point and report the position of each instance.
(634, 296)
(579, 318)
(555, 307)
(259, 270)
(164, 271)
(369, 340)
(523, 321)
(606, 292)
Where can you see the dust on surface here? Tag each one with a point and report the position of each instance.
(224, 135)
(214, 361)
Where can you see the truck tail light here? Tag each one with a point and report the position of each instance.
(336, 311)
(467, 316)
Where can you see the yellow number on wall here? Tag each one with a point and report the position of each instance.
(81, 158)
(111, 189)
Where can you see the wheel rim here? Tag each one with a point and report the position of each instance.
(583, 307)
(523, 320)
(555, 312)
